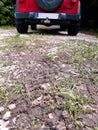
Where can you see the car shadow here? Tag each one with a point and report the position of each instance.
(48, 31)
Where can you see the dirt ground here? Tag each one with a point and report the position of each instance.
(48, 81)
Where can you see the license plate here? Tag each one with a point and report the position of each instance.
(47, 15)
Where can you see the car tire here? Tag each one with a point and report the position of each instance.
(73, 29)
(21, 26)
(49, 5)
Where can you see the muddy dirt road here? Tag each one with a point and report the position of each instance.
(48, 81)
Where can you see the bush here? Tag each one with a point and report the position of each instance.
(7, 12)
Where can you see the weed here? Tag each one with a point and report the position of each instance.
(17, 88)
(88, 110)
(93, 77)
(1, 93)
(9, 93)
(49, 58)
(78, 124)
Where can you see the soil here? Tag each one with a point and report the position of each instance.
(34, 75)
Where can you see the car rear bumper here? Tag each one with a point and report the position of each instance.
(53, 19)
(61, 16)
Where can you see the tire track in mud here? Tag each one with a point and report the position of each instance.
(39, 73)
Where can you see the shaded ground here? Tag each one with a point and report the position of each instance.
(48, 81)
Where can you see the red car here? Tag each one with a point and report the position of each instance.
(65, 13)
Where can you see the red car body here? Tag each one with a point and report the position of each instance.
(29, 12)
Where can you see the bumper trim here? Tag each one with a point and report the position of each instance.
(34, 15)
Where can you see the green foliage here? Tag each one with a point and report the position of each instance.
(7, 12)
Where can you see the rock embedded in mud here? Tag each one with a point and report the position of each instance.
(45, 86)
(14, 120)
(65, 115)
(1, 109)
(3, 125)
(12, 106)
(7, 115)
(50, 115)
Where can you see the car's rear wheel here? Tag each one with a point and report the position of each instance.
(21, 26)
(49, 5)
(73, 29)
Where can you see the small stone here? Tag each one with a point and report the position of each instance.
(65, 115)
(7, 115)
(45, 86)
(50, 116)
(11, 106)
(43, 126)
(61, 126)
(3, 125)
(70, 127)
(1, 109)
(63, 65)
(14, 120)
(38, 101)
(23, 53)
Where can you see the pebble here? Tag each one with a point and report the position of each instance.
(70, 127)
(7, 115)
(1, 109)
(14, 120)
(50, 116)
(63, 65)
(61, 127)
(45, 86)
(3, 125)
(43, 126)
(65, 115)
(12, 106)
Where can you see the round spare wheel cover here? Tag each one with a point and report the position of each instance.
(49, 5)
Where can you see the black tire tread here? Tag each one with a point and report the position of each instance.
(21, 27)
(73, 29)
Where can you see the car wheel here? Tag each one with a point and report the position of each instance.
(73, 29)
(21, 26)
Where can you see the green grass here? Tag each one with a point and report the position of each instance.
(10, 93)
(21, 43)
(7, 27)
(69, 101)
